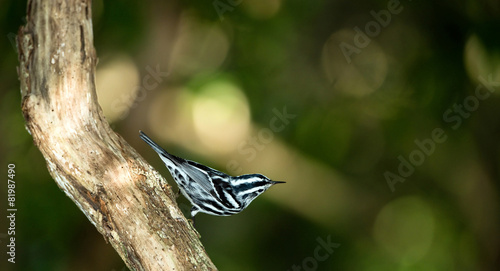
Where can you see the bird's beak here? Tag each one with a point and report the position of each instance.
(276, 182)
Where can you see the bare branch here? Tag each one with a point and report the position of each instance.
(130, 204)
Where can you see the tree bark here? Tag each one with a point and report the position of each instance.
(128, 202)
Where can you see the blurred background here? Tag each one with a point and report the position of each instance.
(383, 117)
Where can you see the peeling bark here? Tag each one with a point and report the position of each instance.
(128, 202)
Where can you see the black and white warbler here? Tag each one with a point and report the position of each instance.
(211, 191)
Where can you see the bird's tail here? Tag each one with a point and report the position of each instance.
(153, 144)
(161, 152)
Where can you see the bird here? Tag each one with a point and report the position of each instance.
(208, 190)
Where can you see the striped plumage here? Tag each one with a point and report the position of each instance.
(211, 191)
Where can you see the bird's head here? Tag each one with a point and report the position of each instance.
(250, 186)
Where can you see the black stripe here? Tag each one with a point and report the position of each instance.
(249, 185)
(220, 185)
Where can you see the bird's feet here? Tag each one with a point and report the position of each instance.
(191, 223)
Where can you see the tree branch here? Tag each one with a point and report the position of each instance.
(129, 203)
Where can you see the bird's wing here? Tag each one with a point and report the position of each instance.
(214, 182)
(200, 174)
